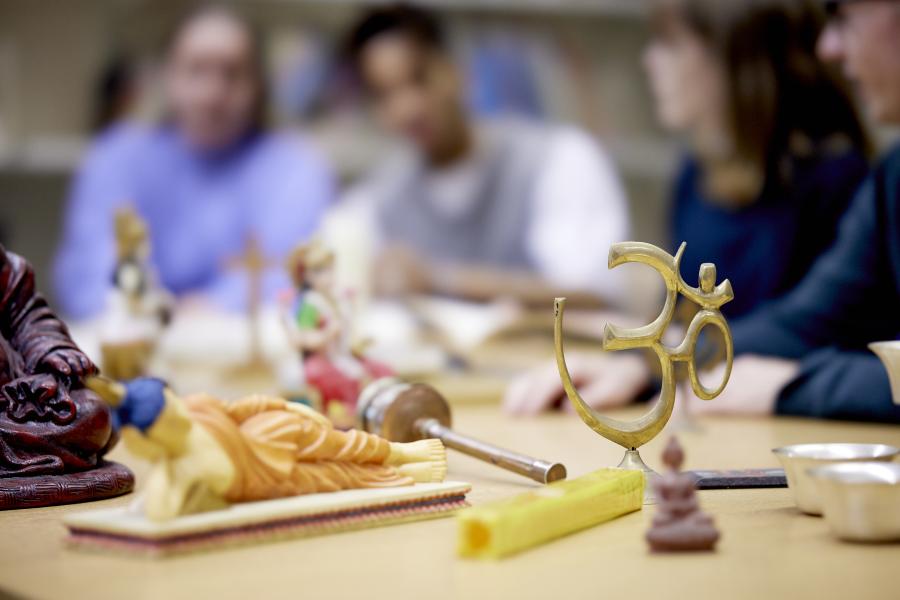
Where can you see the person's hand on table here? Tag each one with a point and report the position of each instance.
(604, 381)
(399, 271)
(752, 389)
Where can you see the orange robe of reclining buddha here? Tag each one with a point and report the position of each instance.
(279, 452)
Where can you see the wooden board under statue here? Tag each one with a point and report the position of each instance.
(256, 469)
(54, 432)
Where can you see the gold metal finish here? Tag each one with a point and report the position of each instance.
(709, 296)
(131, 233)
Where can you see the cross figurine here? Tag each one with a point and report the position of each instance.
(255, 263)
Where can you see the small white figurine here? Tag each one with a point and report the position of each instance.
(137, 307)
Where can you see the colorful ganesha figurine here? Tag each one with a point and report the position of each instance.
(319, 323)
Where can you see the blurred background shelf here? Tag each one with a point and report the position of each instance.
(631, 8)
(581, 58)
(351, 152)
(50, 155)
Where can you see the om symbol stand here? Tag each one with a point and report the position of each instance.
(709, 296)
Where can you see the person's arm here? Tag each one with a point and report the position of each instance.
(836, 302)
(400, 271)
(833, 384)
(85, 260)
(848, 298)
(579, 210)
(488, 283)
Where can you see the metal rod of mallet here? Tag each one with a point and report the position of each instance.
(406, 412)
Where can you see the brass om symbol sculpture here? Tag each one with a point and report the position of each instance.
(709, 296)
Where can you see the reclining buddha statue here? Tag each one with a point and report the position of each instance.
(208, 453)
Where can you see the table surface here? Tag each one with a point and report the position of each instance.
(768, 549)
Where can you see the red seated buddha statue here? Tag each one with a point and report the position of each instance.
(54, 431)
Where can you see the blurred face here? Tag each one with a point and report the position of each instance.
(321, 278)
(211, 82)
(417, 93)
(686, 80)
(865, 38)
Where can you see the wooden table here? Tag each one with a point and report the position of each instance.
(768, 549)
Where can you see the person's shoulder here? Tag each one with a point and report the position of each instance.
(886, 178)
(686, 184)
(286, 156)
(567, 133)
(823, 182)
(572, 140)
(120, 142)
(386, 181)
(838, 162)
(290, 147)
(512, 132)
(556, 141)
(889, 163)
(571, 151)
(880, 191)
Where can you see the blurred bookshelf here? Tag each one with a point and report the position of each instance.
(630, 8)
(43, 155)
(583, 56)
(352, 153)
(586, 70)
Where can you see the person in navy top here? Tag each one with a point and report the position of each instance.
(806, 354)
(776, 150)
(808, 350)
(767, 246)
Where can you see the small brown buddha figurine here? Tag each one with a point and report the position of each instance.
(679, 525)
(53, 431)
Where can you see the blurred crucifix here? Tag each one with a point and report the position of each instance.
(255, 263)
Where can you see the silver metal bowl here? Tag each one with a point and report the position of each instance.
(861, 501)
(798, 459)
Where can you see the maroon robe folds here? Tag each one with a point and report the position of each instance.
(49, 423)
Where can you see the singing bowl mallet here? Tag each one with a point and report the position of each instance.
(406, 412)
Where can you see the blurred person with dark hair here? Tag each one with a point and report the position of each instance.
(776, 152)
(472, 208)
(809, 350)
(208, 181)
(114, 94)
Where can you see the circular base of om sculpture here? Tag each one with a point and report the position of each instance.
(109, 479)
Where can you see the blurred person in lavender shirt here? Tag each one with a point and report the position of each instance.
(208, 180)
